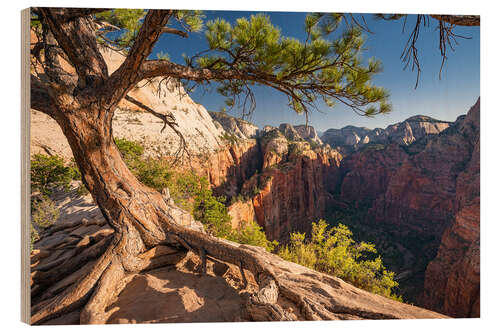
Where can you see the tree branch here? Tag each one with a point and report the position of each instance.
(51, 65)
(462, 20)
(73, 13)
(154, 68)
(168, 30)
(127, 74)
(40, 99)
(77, 39)
(168, 120)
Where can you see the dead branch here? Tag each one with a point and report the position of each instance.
(462, 20)
(168, 120)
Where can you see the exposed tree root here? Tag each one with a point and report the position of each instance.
(287, 291)
(75, 296)
(46, 278)
(105, 290)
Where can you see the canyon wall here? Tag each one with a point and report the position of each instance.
(430, 188)
(295, 192)
(290, 189)
(452, 279)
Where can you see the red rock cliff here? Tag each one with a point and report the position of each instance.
(291, 191)
(431, 188)
(452, 279)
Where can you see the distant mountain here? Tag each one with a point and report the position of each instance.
(352, 138)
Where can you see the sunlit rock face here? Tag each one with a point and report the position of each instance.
(166, 97)
(308, 133)
(292, 189)
(236, 126)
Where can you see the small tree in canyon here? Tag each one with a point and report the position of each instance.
(71, 83)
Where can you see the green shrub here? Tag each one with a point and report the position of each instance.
(49, 172)
(229, 138)
(251, 233)
(44, 212)
(333, 251)
(314, 145)
(210, 210)
(154, 173)
(129, 149)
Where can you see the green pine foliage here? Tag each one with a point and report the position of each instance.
(129, 21)
(333, 251)
(125, 24)
(325, 66)
(320, 68)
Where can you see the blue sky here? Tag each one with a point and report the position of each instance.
(443, 99)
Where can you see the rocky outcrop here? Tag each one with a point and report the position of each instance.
(290, 188)
(238, 127)
(299, 133)
(291, 191)
(352, 138)
(431, 189)
(309, 134)
(348, 136)
(289, 132)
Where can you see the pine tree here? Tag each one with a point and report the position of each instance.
(83, 101)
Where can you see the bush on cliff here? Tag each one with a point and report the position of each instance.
(251, 233)
(192, 193)
(333, 251)
(49, 172)
(44, 212)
